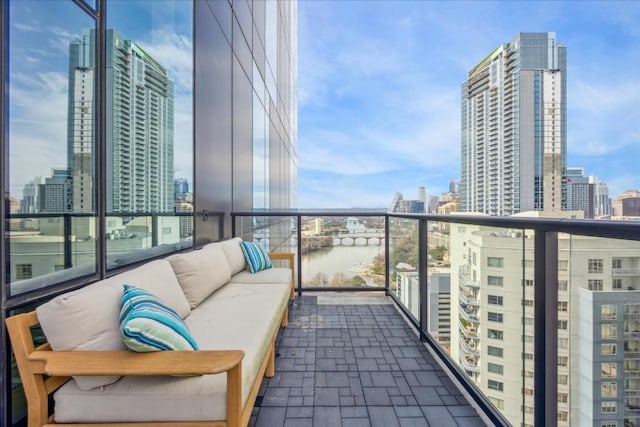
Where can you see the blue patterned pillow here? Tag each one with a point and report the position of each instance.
(147, 324)
(256, 255)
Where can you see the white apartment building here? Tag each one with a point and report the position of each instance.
(514, 128)
(492, 323)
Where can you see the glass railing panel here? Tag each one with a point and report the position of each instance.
(47, 249)
(276, 233)
(598, 331)
(477, 307)
(404, 281)
(342, 251)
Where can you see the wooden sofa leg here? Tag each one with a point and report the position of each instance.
(285, 318)
(234, 396)
(271, 364)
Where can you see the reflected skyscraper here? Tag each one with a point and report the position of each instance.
(139, 131)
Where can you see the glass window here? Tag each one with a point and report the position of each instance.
(595, 266)
(563, 379)
(495, 385)
(563, 325)
(609, 370)
(608, 407)
(495, 317)
(608, 312)
(594, 284)
(495, 368)
(494, 299)
(608, 424)
(563, 265)
(50, 144)
(494, 280)
(609, 388)
(495, 262)
(563, 306)
(562, 285)
(495, 334)
(495, 351)
(608, 349)
(149, 144)
(498, 403)
(563, 360)
(609, 331)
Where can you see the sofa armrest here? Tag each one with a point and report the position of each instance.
(283, 256)
(70, 363)
(287, 256)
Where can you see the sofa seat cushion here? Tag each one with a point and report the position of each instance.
(88, 318)
(237, 316)
(271, 275)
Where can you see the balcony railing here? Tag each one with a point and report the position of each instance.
(441, 280)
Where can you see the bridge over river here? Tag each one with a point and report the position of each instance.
(367, 238)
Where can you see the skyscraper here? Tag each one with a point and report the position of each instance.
(587, 194)
(139, 127)
(514, 128)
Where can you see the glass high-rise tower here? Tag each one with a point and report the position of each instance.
(514, 128)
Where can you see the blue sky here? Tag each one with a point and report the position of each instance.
(379, 91)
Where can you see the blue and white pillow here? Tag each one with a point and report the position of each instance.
(147, 324)
(256, 256)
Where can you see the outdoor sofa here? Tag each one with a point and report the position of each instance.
(232, 314)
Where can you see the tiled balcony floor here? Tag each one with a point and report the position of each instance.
(343, 364)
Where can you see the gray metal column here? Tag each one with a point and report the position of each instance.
(546, 329)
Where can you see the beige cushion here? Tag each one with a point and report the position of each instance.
(88, 318)
(234, 254)
(201, 272)
(250, 314)
(270, 275)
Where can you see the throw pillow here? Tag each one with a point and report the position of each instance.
(147, 324)
(256, 255)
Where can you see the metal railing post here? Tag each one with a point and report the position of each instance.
(546, 328)
(423, 265)
(66, 246)
(386, 255)
(299, 239)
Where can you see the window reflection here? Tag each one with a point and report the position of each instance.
(149, 128)
(52, 102)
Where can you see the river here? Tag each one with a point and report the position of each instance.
(339, 259)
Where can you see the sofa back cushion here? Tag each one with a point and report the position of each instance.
(234, 254)
(201, 272)
(88, 318)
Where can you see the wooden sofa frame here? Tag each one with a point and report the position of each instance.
(43, 370)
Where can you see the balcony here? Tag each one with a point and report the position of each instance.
(513, 240)
(360, 350)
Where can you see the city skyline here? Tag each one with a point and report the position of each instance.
(380, 91)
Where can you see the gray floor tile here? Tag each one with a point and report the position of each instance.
(356, 365)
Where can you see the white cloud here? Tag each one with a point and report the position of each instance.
(38, 124)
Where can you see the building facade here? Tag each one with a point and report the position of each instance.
(514, 128)
(492, 291)
(587, 194)
(202, 90)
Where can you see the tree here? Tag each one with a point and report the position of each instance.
(358, 281)
(339, 279)
(378, 264)
(319, 279)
